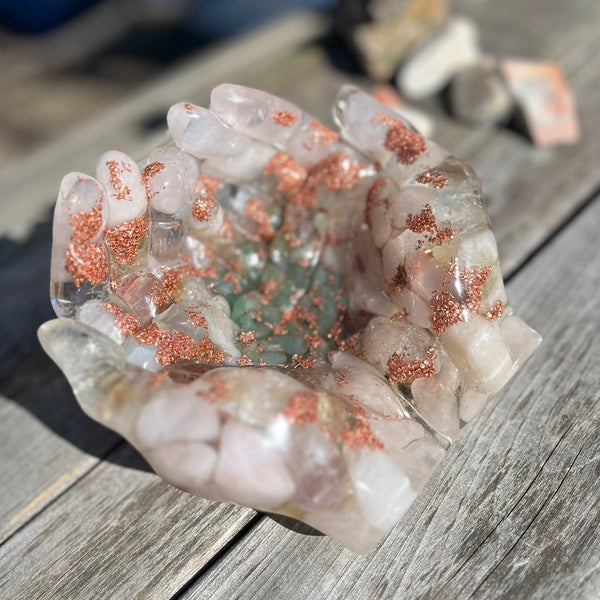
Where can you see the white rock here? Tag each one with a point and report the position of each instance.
(471, 404)
(476, 345)
(171, 186)
(260, 115)
(317, 468)
(187, 465)
(347, 525)
(396, 434)
(520, 339)
(249, 471)
(241, 167)
(382, 490)
(96, 315)
(383, 337)
(365, 123)
(434, 64)
(125, 190)
(177, 415)
(142, 356)
(197, 131)
(366, 385)
(436, 398)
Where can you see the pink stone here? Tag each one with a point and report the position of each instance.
(547, 102)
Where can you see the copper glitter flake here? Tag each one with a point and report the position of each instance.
(435, 178)
(302, 408)
(203, 208)
(451, 306)
(496, 311)
(174, 346)
(256, 212)
(125, 239)
(319, 134)
(116, 170)
(401, 280)
(127, 324)
(403, 370)
(425, 223)
(361, 437)
(153, 169)
(404, 143)
(87, 262)
(86, 225)
(284, 118)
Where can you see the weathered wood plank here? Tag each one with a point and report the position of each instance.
(307, 66)
(46, 440)
(530, 191)
(33, 182)
(512, 511)
(123, 533)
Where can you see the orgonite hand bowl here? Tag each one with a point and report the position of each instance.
(282, 316)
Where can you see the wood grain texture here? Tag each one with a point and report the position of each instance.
(123, 533)
(33, 182)
(63, 446)
(46, 441)
(512, 511)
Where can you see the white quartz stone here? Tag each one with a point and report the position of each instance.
(197, 131)
(260, 115)
(187, 465)
(477, 346)
(95, 314)
(125, 190)
(177, 415)
(250, 471)
(347, 525)
(364, 383)
(432, 65)
(171, 188)
(382, 490)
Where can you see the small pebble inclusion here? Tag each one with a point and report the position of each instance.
(283, 316)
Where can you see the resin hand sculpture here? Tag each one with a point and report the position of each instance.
(282, 316)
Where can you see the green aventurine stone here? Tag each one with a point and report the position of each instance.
(261, 330)
(272, 272)
(271, 314)
(327, 316)
(246, 322)
(273, 359)
(253, 354)
(291, 344)
(320, 276)
(245, 304)
(224, 288)
(279, 246)
(284, 293)
(297, 329)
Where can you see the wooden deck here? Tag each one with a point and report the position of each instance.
(513, 511)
